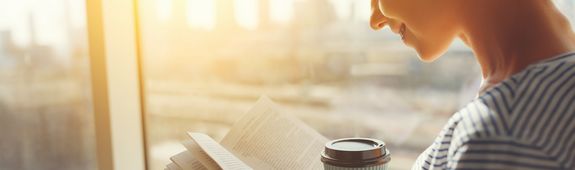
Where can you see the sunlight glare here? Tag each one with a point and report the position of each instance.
(200, 13)
(246, 12)
(281, 11)
(164, 9)
(342, 8)
(362, 10)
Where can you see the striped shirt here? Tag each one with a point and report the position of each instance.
(525, 122)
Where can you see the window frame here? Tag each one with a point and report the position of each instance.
(117, 84)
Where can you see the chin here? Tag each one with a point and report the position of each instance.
(427, 54)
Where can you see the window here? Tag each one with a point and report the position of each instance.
(207, 61)
(45, 96)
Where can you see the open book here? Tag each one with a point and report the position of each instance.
(264, 138)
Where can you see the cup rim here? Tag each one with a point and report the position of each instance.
(364, 157)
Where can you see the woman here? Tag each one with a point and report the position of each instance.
(524, 115)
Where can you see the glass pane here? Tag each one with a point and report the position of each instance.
(207, 61)
(45, 108)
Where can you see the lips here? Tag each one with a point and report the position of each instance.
(394, 27)
(399, 29)
(402, 30)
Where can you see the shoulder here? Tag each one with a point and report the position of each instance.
(479, 136)
(519, 122)
(475, 121)
(544, 79)
(483, 138)
(543, 89)
(499, 152)
(525, 107)
(486, 116)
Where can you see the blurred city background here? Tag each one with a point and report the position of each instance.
(207, 61)
(46, 118)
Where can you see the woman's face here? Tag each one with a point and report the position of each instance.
(429, 26)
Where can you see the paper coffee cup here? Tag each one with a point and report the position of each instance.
(355, 154)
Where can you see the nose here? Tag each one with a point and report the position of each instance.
(377, 20)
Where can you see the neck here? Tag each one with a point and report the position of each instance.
(507, 37)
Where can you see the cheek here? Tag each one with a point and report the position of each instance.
(429, 22)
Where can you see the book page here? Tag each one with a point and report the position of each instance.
(200, 155)
(173, 166)
(222, 157)
(186, 161)
(266, 138)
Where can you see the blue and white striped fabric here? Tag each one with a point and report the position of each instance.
(524, 122)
